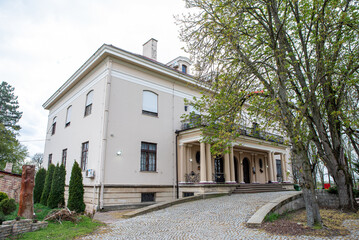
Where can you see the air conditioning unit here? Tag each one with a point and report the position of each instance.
(90, 173)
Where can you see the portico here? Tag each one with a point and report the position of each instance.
(248, 160)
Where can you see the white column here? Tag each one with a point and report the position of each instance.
(231, 161)
(189, 159)
(283, 167)
(209, 163)
(203, 173)
(274, 164)
(182, 163)
(285, 179)
(254, 166)
(266, 169)
(240, 165)
(270, 167)
(227, 174)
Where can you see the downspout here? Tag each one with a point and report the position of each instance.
(177, 188)
(104, 130)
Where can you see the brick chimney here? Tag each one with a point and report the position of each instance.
(150, 49)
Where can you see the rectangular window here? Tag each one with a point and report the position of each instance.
(68, 116)
(188, 194)
(53, 126)
(50, 160)
(64, 156)
(148, 156)
(84, 155)
(147, 197)
(149, 103)
(88, 106)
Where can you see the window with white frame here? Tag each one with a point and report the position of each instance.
(68, 116)
(88, 106)
(53, 126)
(64, 156)
(84, 155)
(149, 103)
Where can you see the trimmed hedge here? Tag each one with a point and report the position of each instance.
(7, 206)
(39, 184)
(76, 190)
(3, 196)
(47, 187)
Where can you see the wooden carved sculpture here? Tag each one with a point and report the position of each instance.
(26, 205)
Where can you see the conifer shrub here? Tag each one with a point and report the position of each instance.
(76, 190)
(39, 184)
(3, 196)
(56, 196)
(7, 206)
(47, 186)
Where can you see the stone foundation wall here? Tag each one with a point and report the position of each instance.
(17, 227)
(327, 200)
(10, 183)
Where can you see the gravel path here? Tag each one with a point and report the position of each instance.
(216, 218)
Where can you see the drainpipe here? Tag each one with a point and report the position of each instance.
(177, 189)
(104, 130)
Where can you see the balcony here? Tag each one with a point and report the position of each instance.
(254, 132)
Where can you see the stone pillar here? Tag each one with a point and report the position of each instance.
(203, 168)
(183, 163)
(231, 161)
(270, 167)
(240, 165)
(285, 177)
(209, 163)
(189, 160)
(227, 174)
(26, 204)
(255, 167)
(274, 168)
(283, 167)
(266, 169)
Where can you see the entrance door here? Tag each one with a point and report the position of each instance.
(218, 170)
(246, 176)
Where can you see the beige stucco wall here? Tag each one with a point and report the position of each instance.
(128, 126)
(81, 129)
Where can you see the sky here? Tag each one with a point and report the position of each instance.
(43, 42)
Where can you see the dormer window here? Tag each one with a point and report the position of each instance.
(184, 68)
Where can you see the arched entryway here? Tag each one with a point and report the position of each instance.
(219, 170)
(236, 169)
(246, 176)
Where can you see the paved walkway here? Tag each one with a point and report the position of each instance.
(217, 218)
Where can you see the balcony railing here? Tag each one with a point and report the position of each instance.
(254, 132)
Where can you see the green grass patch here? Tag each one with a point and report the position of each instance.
(64, 230)
(271, 217)
(40, 210)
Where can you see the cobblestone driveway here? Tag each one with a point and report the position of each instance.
(216, 218)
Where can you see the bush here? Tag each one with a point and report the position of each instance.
(2, 217)
(39, 184)
(333, 190)
(47, 186)
(296, 187)
(7, 206)
(76, 190)
(271, 217)
(56, 197)
(3, 196)
(356, 193)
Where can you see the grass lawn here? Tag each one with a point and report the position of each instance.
(64, 230)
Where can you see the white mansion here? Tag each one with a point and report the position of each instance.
(119, 117)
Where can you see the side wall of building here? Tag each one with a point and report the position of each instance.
(10, 184)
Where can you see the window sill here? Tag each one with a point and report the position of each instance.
(153, 114)
(142, 171)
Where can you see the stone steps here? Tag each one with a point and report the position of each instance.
(257, 188)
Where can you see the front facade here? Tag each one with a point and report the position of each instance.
(119, 117)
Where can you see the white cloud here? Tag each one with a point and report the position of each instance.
(43, 42)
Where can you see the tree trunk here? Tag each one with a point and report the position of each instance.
(345, 191)
(307, 184)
